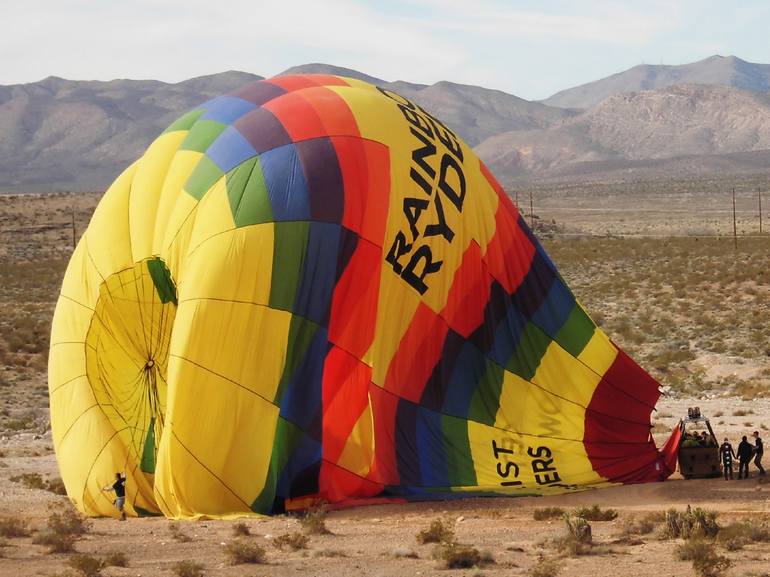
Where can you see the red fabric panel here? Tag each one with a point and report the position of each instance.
(345, 396)
(365, 167)
(418, 352)
(626, 375)
(670, 451)
(338, 484)
(354, 304)
(384, 405)
(298, 117)
(294, 82)
(505, 200)
(464, 309)
(510, 252)
(334, 112)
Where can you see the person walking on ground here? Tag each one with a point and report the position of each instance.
(119, 486)
(727, 454)
(745, 453)
(758, 451)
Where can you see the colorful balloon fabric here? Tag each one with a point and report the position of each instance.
(313, 289)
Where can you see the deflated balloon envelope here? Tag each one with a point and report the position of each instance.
(313, 289)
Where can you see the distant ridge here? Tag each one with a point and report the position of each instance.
(715, 70)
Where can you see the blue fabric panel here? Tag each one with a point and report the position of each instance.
(535, 286)
(323, 177)
(285, 184)
(431, 450)
(555, 310)
(507, 336)
(226, 109)
(230, 149)
(469, 370)
(301, 404)
(319, 273)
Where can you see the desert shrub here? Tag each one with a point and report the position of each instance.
(68, 522)
(3, 545)
(188, 568)
(642, 525)
(29, 480)
(546, 567)
(578, 539)
(178, 534)
(314, 519)
(86, 565)
(241, 530)
(595, 513)
(56, 486)
(294, 541)
(438, 532)
(56, 542)
(115, 559)
(705, 561)
(691, 523)
(240, 551)
(455, 555)
(544, 513)
(13, 527)
(736, 535)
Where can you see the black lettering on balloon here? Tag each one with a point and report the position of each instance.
(416, 278)
(441, 227)
(413, 208)
(419, 154)
(398, 249)
(456, 197)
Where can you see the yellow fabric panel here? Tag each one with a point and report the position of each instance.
(228, 468)
(562, 374)
(599, 353)
(178, 233)
(145, 191)
(256, 337)
(180, 169)
(358, 454)
(247, 279)
(218, 216)
(82, 281)
(107, 234)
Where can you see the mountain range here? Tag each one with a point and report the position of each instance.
(711, 116)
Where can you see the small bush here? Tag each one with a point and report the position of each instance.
(241, 530)
(314, 519)
(87, 565)
(188, 568)
(56, 486)
(438, 532)
(56, 542)
(641, 526)
(578, 539)
(705, 561)
(294, 541)
(13, 527)
(240, 551)
(29, 480)
(115, 559)
(457, 556)
(68, 522)
(595, 513)
(737, 535)
(178, 534)
(546, 567)
(547, 513)
(691, 523)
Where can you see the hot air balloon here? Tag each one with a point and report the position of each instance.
(312, 288)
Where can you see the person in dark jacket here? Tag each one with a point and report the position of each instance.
(745, 453)
(119, 487)
(758, 451)
(727, 454)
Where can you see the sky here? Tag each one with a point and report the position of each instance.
(528, 48)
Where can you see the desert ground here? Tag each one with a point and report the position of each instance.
(654, 264)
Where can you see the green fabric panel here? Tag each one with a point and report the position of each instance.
(161, 278)
(458, 451)
(576, 332)
(147, 464)
(486, 399)
(529, 352)
(247, 192)
(288, 259)
(184, 122)
(203, 177)
(201, 135)
(301, 333)
(287, 437)
(145, 513)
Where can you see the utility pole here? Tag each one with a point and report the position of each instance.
(759, 197)
(735, 226)
(531, 211)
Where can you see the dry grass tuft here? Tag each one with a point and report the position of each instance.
(546, 567)
(691, 523)
(294, 541)
(64, 528)
(313, 521)
(188, 568)
(178, 534)
(241, 530)
(545, 513)
(13, 527)
(86, 565)
(705, 560)
(595, 513)
(455, 555)
(115, 559)
(240, 551)
(439, 532)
